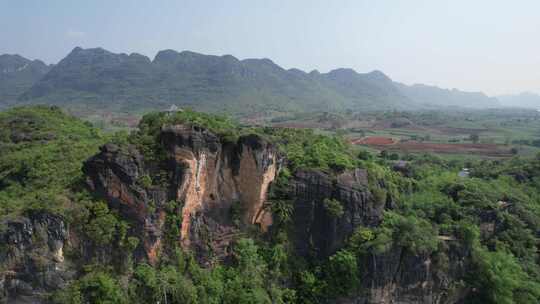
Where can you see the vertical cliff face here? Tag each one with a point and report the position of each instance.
(400, 276)
(212, 179)
(312, 220)
(32, 257)
(393, 276)
(115, 174)
(206, 174)
(213, 175)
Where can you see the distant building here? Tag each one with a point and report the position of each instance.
(464, 173)
(174, 109)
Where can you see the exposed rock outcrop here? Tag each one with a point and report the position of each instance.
(395, 276)
(203, 172)
(210, 177)
(32, 257)
(400, 276)
(310, 188)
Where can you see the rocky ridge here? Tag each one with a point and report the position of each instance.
(202, 179)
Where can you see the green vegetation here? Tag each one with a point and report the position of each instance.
(333, 207)
(302, 147)
(41, 155)
(498, 132)
(151, 123)
(491, 218)
(146, 138)
(305, 149)
(506, 259)
(122, 83)
(98, 287)
(342, 273)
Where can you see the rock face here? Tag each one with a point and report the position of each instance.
(395, 276)
(211, 178)
(115, 175)
(32, 257)
(399, 276)
(204, 173)
(310, 188)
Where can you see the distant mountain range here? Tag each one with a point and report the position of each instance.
(431, 96)
(17, 75)
(98, 79)
(523, 100)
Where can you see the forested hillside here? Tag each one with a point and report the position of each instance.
(192, 208)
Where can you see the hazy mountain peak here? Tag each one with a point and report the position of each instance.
(10, 63)
(76, 50)
(166, 56)
(18, 63)
(18, 74)
(224, 81)
(139, 57)
(343, 71)
(5, 57)
(296, 71)
(435, 96)
(230, 58)
(81, 51)
(376, 74)
(172, 56)
(264, 66)
(522, 100)
(529, 94)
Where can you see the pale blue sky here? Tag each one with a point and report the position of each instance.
(481, 45)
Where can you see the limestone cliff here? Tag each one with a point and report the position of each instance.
(309, 189)
(203, 173)
(32, 257)
(400, 276)
(211, 177)
(394, 276)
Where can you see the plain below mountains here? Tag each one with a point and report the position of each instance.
(96, 79)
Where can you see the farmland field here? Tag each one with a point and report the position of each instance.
(478, 133)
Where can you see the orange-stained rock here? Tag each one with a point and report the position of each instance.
(205, 174)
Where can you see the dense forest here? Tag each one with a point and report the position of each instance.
(478, 233)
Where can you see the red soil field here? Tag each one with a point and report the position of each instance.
(415, 146)
(484, 149)
(373, 140)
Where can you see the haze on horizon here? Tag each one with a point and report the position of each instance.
(482, 45)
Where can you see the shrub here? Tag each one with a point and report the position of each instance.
(99, 288)
(342, 275)
(333, 207)
(500, 279)
(413, 233)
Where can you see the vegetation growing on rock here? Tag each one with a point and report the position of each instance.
(479, 234)
(41, 155)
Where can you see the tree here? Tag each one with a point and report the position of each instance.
(333, 207)
(342, 275)
(165, 285)
(97, 287)
(500, 279)
(245, 283)
(474, 138)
